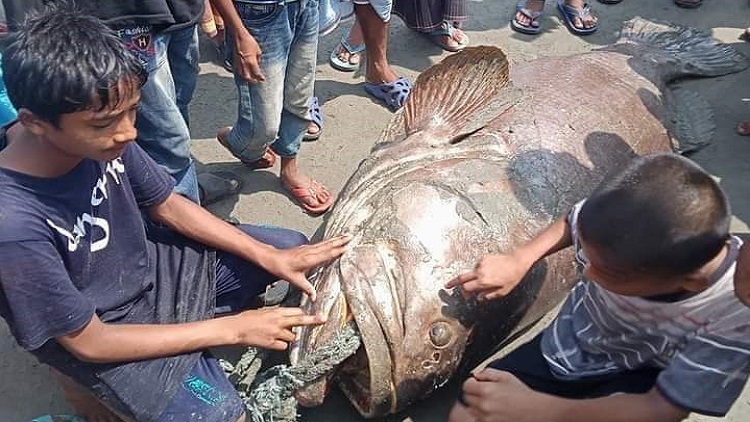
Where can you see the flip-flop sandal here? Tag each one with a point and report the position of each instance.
(299, 193)
(316, 117)
(569, 13)
(392, 94)
(531, 15)
(266, 161)
(216, 186)
(346, 66)
(447, 29)
(688, 4)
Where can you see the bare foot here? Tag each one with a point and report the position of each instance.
(84, 404)
(588, 21)
(533, 6)
(312, 129)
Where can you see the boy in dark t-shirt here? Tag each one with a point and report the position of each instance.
(124, 310)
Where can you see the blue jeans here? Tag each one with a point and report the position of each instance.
(162, 119)
(275, 112)
(238, 281)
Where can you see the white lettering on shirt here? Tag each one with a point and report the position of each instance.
(85, 221)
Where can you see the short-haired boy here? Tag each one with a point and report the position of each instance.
(124, 310)
(653, 330)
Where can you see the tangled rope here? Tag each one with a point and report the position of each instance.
(269, 397)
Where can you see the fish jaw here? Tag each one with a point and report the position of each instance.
(332, 303)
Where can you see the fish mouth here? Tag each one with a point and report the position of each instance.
(374, 299)
(367, 377)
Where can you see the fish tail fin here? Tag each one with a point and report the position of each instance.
(693, 52)
(447, 94)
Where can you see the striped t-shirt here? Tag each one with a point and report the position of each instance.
(702, 342)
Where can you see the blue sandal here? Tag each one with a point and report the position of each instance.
(569, 13)
(316, 117)
(534, 27)
(392, 94)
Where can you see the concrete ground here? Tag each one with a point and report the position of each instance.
(353, 124)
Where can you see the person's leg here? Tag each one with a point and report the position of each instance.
(260, 104)
(206, 395)
(298, 88)
(348, 54)
(183, 56)
(162, 131)
(238, 281)
(375, 34)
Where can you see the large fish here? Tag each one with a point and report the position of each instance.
(480, 161)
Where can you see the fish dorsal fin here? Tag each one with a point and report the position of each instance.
(447, 94)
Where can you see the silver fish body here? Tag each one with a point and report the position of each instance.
(477, 164)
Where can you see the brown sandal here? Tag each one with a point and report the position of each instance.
(266, 161)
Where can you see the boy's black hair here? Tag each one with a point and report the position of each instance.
(663, 215)
(61, 61)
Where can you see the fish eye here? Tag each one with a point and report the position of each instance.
(441, 334)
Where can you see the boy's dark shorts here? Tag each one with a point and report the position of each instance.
(528, 365)
(206, 394)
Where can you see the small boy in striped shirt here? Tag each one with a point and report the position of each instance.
(652, 332)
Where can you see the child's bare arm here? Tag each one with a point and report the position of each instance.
(496, 275)
(104, 343)
(498, 396)
(196, 223)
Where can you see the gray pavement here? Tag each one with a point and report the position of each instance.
(353, 124)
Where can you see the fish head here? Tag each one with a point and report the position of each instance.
(391, 282)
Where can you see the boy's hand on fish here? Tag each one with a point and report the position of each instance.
(498, 396)
(247, 55)
(494, 276)
(293, 264)
(270, 328)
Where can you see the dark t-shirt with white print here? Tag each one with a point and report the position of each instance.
(76, 245)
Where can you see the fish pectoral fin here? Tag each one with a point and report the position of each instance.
(447, 94)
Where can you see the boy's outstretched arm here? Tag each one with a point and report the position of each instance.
(195, 222)
(497, 396)
(496, 275)
(270, 328)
